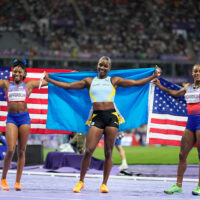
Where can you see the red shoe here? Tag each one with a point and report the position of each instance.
(104, 189)
(18, 186)
(4, 185)
(80, 185)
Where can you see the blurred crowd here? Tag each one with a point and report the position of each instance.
(132, 137)
(140, 29)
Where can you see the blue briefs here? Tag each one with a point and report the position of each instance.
(18, 118)
(118, 142)
(193, 123)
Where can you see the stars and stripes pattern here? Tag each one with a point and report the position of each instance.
(167, 116)
(37, 103)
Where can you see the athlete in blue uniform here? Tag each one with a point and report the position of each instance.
(18, 120)
(104, 118)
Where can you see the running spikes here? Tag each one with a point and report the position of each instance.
(104, 189)
(18, 186)
(4, 185)
(196, 191)
(80, 185)
(173, 189)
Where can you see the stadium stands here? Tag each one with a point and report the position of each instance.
(158, 29)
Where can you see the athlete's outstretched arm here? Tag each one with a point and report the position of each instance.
(35, 84)
(74, 85)
(175, 93)
(118, 81)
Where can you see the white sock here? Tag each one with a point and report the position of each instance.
(124, 162)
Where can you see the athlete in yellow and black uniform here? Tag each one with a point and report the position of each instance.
(102, 90)
(105, 119)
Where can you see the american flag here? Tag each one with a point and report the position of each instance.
(167, 116)
(37, 103)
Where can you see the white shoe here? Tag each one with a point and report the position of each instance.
(123, 167)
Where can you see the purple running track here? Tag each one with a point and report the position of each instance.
(53, 187)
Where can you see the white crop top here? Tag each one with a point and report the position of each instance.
(17, 92)
(192, 95)
(102, 90)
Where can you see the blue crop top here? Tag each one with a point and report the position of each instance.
(102, 90)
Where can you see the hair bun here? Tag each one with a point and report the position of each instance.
(15, 60)
(24, 61)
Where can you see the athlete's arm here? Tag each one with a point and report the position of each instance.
(175, 93)
(74, 85)
(118, 81)
(30, 85)
(35, 84)
(4, 83)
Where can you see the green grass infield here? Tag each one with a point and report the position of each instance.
(146, 155)
(150, 155)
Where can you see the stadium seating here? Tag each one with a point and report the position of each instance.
(154, 29)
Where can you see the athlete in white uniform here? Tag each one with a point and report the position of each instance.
(17, 93)
(105, 119)
(18, 120)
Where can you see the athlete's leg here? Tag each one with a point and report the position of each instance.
(109, 142)
(122, 154)
(92, 139)
(121, 151)
(24, 131)
(187, 142)
(11, 139)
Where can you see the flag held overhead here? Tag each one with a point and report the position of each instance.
(69, 109)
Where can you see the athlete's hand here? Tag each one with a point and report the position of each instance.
(46, 77)
(186, 85)
(156, 82)
(121, 135)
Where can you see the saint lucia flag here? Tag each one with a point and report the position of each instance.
(69, 109)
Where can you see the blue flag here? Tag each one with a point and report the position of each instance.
(69, 109)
